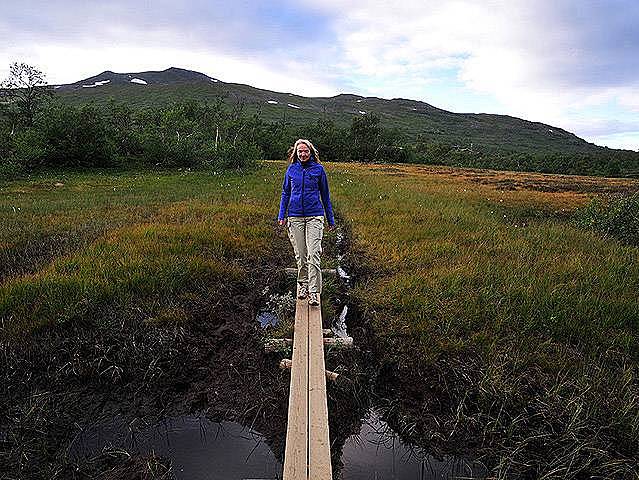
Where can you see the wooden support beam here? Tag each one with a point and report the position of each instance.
(341, 342)
(278, 344)
(325, 271)
(287, 363)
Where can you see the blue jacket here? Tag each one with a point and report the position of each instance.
(302, 189)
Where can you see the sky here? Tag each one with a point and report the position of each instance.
(567, 63)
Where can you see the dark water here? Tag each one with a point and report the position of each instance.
(377, 453)
(267, 319)
(201, 449)
(198, 448)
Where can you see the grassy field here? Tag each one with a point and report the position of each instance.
(126, 291)
(459, 257)
(510, 328)
(503, 329)
(116, 239)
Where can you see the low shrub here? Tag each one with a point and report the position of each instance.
(238, 155)
(28, 148)
(9, 168)
(613, 215)
(73, 136)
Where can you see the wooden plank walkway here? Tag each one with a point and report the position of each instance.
(308, 454)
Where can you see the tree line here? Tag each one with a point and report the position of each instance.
(38, 130)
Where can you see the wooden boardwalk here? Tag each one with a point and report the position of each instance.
(308, 454)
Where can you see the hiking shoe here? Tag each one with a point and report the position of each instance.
(313, 298)
(302, 291)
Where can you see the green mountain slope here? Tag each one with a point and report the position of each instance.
(478, 131)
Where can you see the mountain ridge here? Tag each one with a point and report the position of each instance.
(414, 119)
(153, 77)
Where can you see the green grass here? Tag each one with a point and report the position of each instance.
(117, 240)
(519, 326)
(450, 263)
(454, 260)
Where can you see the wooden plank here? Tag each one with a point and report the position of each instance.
(319, 443)
(296, 454)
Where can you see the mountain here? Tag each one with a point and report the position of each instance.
(170, 76)
(488, 132)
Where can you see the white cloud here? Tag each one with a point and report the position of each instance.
(72, 63)
(535, 60)
(626, 141)
(227, 41)
(629, 97)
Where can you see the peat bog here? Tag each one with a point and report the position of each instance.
(141, 324)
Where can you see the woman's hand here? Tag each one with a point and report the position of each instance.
(281, 222)
(330, 228)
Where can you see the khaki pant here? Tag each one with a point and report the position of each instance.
(306, 234)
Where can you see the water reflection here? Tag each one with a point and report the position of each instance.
(377, 453)
(201, 449)
(339, 325)
(267, 319)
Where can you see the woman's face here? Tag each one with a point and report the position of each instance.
(303, 152)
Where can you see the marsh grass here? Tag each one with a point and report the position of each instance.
(614, 215)
(117, 288)
(448, 255)
(501, 327)
(135, 237)
(506, 326)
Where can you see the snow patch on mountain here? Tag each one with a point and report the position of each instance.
(97, 83)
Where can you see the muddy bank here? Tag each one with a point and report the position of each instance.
(126, 368)
(503, 417)
(66, 379)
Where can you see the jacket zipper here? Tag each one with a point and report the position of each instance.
(303, 177)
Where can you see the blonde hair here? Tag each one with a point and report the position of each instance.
(292, 151)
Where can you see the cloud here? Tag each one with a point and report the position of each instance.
(542, 45)
(238, 26)
(262, 45)
(551, 61)
(625, 141)
(227, 68)
(544, 61)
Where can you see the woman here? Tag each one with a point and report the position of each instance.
(305, 201)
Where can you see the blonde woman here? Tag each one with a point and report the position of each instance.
(305, 201)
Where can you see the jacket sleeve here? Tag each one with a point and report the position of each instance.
(326, 198)
(286, 196)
